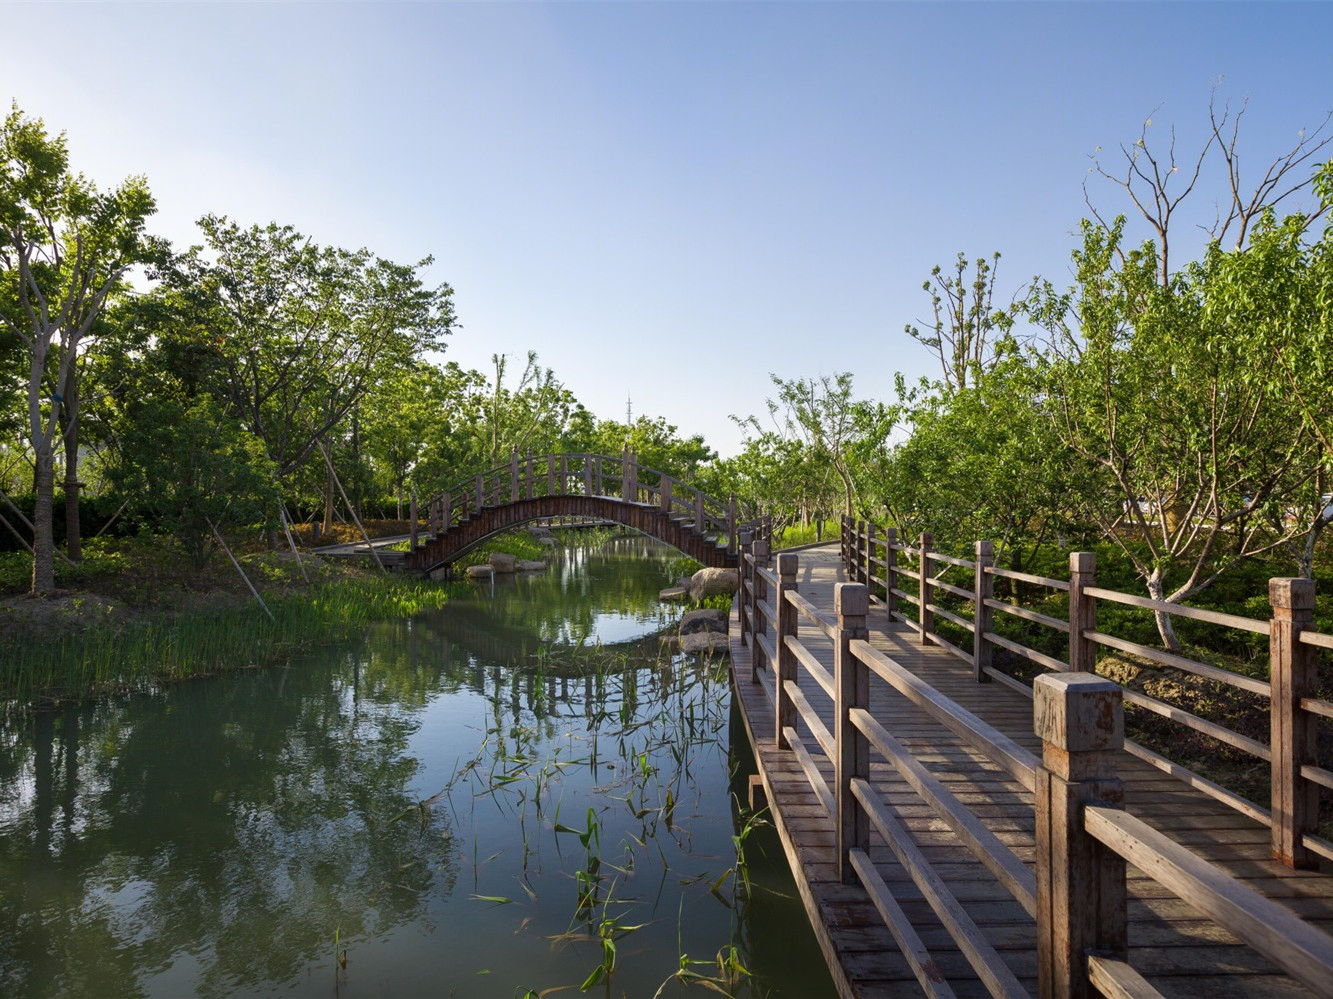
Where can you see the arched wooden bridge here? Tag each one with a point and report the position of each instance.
(616, 489)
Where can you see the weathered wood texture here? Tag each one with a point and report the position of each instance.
(1171, 945)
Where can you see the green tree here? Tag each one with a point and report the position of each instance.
(968, 329)
(65, 248)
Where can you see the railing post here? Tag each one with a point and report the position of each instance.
(513, 475)
(699, 528)
(550, 475)
(634, 475)
(744, 582)
(587, 475)
(527, 485)
(624, 473)
(731, 524)
(1294, 675)
(870, 556)
(446, 512)
(1082, 612)
(1081, 898)
(597, 474)
(758, 623)
(785, 668)
(851, 681)
(858, 548)
(890, 567)
(564, 475)
(480, 492)
(666, 494)
(926, 590)
(412, 524)
(983, 617)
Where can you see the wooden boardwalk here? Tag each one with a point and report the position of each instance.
(1174, 946)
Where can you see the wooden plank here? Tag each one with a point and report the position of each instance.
(811, 717)
(1180, 610)
(817, 782)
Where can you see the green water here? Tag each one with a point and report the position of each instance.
(468, 803)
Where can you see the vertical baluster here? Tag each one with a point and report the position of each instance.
(852, 685)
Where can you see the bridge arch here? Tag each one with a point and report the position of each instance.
(616, 489)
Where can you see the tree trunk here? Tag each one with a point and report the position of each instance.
(73, 538)
(43, 545)
(400, 499)
(328, 501)
(1165, 627)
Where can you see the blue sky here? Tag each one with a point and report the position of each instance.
(666, 200)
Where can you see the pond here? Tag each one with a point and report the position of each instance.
(518, 794)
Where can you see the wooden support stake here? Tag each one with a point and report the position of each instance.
(926, 590)
(1082, 612)
(251, 585)
(1294, 675)
(1081, 895)
(851, 680)
(338, 482)
(785, 669)
(890, 568)
(286, 529)
(983, 617)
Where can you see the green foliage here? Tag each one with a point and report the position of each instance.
(193, 472)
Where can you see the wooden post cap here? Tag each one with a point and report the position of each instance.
(1291, 594)
(985, 549)
(1078, 712)
(787, 564)
(1082, 561)
(851, 600)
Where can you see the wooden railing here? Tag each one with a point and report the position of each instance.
(1291, 689)
(579, 474)
(1077, 893)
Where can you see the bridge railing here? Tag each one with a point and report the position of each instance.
(912, 576)
(1076, 890)
(581, 474)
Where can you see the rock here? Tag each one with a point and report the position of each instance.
(673, 594)
(501, 562)
(480, 572)
(705, 641)
(547, 542)
(530, 565)
(708, 621)
(538, 532)
(710, 582)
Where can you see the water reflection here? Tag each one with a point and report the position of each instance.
(458, 801)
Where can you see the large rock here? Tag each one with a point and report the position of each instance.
(501, 562)
(706, 621)
(673, 594)
(480, 572)
(710, 582)
(546, 542)
(530, 565)
(709, 642)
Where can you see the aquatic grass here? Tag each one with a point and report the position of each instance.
(105, 658)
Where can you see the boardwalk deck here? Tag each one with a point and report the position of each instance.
(1174, 946)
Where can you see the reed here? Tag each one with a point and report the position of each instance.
(112, 657)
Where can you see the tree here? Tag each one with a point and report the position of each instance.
(968, 330)
(65, 248)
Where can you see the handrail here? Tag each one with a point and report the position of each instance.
(1301, 950)
(1180, 610)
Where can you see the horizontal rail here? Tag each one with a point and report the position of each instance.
(767, 611)
(962, 622)
(1303, 951)
(1319, 775)
(1180, 610)
(990, 968)
(1200, 783)
(900, 927)
(768, 575)
(1314, 844)
(997, 747)
(1254, 686)
(1115, 979)
(1202, 725)
(811, 717)
(938, 557)
(904, 595)
(812, 665)
(1028, 615)
(1040, 658)
(765, 643)
(900, 571)
(768, 684)
(948, 646)
(957, 591)
(1027, 577)
(1001, 861)
(1317, 707)
(812, 613)
(1316, 638)
(812, 774)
